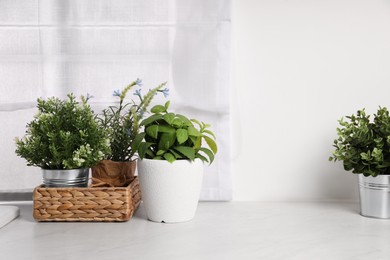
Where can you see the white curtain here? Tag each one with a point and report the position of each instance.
(53, 47)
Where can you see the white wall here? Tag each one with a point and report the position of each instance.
(298, 67)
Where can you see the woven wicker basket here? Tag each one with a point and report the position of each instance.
(86, 204)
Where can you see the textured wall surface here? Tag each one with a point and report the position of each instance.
(299, 66)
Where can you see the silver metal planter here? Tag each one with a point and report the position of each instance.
(66, 178)
(374, 196)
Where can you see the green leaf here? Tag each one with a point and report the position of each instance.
(177, 122)
(177, 155)
(210, 133)
(158, 109)
(160, 152)
(169, 157)
(198, 142)
(150, 153)
(152, 131)
(181, 135)
(166, 129)
(208, 152)
(188, 152)
(185, 120)
(197, 122)
(137, 141)
(166, 141)
(204, 159)
(205, 125)
(347, 167)
(211, 144)
(366, 156)
(151, 119)
(142, 149)
(167, 104)
(193, 131)
(169, 118)
(193, 140)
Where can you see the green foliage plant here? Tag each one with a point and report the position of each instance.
(169, 136)
(64, 134)
(122, 121)
(363, 145)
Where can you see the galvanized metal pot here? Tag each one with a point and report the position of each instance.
(66, 178)
(374, 196)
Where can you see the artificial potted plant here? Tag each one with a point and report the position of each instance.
(171, 166)
(363, 145)
(65, 140)
(121, 122)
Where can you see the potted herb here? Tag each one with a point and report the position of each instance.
(363, 145)
(171, 167)
(121, 122)
(65, 140)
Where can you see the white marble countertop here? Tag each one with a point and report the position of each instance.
(230, 230)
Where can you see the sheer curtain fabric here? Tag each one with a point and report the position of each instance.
(53, 47)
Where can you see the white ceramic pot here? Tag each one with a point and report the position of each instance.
(170, 191)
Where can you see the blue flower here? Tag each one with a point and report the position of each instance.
(165, 92)
(138, 93)
(116, 93)
(138, 82)
(89, 96)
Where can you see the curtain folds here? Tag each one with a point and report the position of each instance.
(53, 47)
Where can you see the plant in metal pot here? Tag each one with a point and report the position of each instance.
(363, 145)
(172, 149)
(65, 140)
(121, 122)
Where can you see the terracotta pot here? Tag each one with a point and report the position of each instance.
(111, 173)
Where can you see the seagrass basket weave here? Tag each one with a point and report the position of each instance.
(86, 204)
